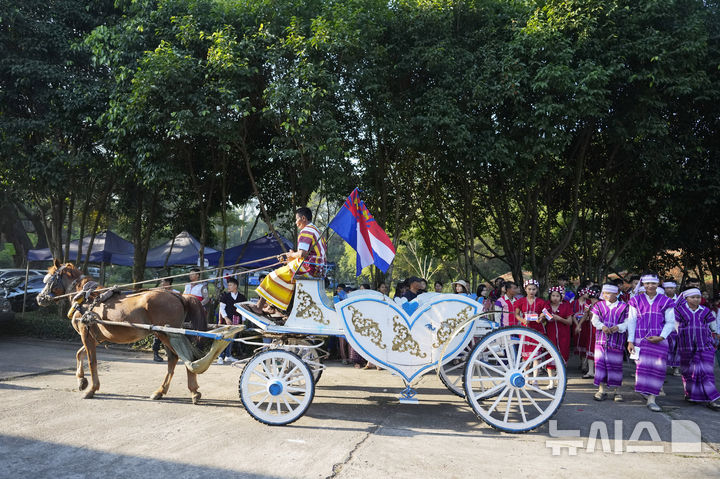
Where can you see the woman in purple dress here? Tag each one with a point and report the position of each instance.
(610, 320)
(696, 348)
(651, 319)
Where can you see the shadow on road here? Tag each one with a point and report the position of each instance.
(51, 459)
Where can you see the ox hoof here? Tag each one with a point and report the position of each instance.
(156, 395)
(89, 395)
(82, 384)
(196, 397)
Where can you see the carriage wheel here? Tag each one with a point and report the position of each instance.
(311, 357)
(501, 386)
(276, 387)
(451, 373)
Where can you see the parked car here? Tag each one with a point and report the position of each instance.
(14, 273)
(93, 271)
(16, 292)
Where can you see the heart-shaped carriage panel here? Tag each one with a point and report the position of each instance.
(382, 332)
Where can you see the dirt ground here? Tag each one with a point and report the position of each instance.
(354, 428)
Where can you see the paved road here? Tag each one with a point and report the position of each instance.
(354, 428)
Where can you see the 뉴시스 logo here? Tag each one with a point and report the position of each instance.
(685, 437)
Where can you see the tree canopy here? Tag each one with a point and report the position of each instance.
(555, 136)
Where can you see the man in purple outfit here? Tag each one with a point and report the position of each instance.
(695, 344)
(651, 319)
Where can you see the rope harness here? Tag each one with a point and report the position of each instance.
(118, 287)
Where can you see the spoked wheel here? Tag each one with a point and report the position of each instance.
(311, 357)
(510, 392)
(451, 373)
(276, 387)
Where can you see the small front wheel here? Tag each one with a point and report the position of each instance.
(276, 387)
(451, 372)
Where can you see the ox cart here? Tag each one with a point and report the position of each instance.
(513, 378)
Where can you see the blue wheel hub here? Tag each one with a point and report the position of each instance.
(517, 380)
(275, 388)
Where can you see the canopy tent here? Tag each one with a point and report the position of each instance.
(107, 248)
(184, 250)
(249, 253)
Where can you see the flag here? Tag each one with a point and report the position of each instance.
(358, 228)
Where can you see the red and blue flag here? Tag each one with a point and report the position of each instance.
(358, 228)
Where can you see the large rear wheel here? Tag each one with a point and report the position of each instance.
(507, 383)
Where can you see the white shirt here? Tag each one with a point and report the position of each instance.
(595, 320)
(669, 320)
(198, 289)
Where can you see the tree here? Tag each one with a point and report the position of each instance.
(49, 94)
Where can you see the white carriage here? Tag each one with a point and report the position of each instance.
(435, 332)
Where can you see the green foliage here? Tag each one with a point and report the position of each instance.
(43, 323)
(489, 135)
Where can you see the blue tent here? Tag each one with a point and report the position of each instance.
(184, 250)
(251, 251)
(107, 248)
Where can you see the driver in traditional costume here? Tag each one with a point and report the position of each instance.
(276, 290)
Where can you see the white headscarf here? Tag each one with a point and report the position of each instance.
(691, 292)
(610, 288)
(648, 278)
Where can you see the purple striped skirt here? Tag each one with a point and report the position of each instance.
(673, 360)
(608, 365)
(698, 376)
(651, 367)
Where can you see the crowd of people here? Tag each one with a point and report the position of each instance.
(645, 320)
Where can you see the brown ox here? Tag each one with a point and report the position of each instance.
(153, 307)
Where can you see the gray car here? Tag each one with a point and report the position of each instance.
(16, 291)
(16, 272)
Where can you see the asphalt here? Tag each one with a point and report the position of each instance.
(355, 427)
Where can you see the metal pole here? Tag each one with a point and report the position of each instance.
(27, 274)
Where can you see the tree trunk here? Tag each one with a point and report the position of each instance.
(11, 226)
(96, 224)
(56, 225)
(264, 212)
(68, 235)
(141, 236)
(223, 215)
(37, 222)
(137, 239)
(83, 222)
